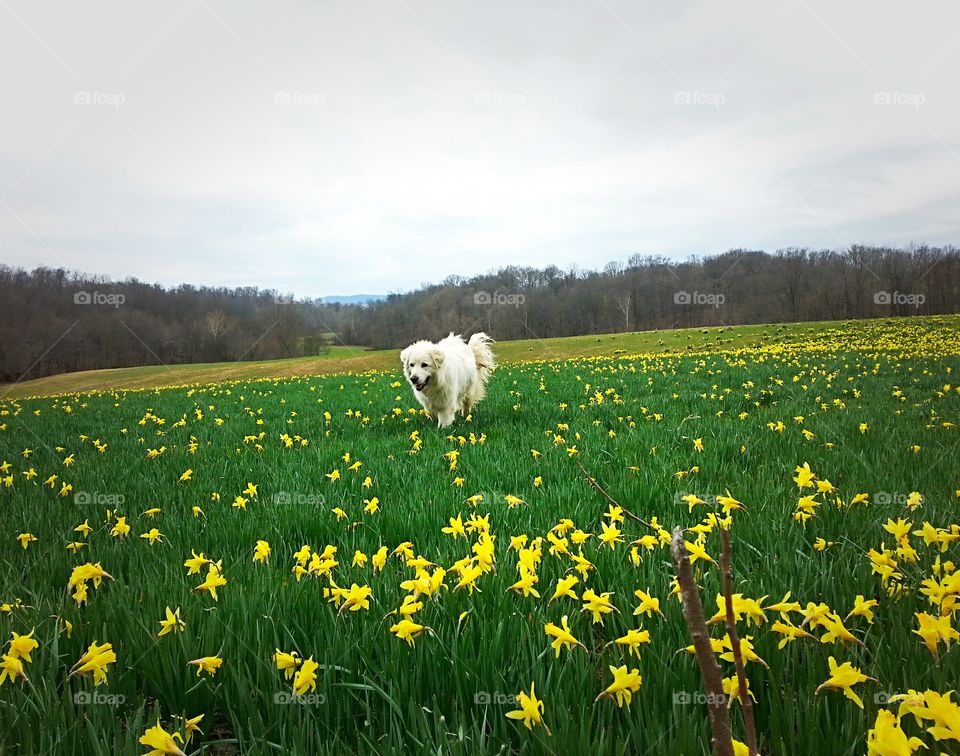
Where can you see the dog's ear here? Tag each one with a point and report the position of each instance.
(437, 356)
(403, 356)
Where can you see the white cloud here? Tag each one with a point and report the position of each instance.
(346, 147)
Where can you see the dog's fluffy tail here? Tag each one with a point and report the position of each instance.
(486, 362)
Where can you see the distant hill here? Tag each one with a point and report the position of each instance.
(353, 298)
(60, 321)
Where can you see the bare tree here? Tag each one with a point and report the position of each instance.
(45, 309)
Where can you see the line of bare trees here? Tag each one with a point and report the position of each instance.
(651, 292)
(55, 321)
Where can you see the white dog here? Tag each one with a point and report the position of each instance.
(449, 376)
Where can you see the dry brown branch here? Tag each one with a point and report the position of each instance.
(593, 482)
(745, 701)
(709, 669)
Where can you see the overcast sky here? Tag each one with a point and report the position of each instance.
(365, 147)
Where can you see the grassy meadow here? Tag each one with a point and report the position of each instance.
(341, 358)
(331, 518)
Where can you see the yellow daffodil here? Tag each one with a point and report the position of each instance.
(172, 623)
(286, 662)
(160, 742)
(625, 684)
(531, 708)
(96, 659)
(843, 677)
(407, 630)
(208, 664)
(306, 677)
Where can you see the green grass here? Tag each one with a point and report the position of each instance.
(342, 359)
(447, 693)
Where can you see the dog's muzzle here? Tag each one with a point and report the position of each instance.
(420, 386)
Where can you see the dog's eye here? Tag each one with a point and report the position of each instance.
(423, 364)
(410, 365)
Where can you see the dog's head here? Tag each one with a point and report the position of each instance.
(421, 361)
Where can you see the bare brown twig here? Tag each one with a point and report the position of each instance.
(709, 669)
(593, 482)
(745, 701)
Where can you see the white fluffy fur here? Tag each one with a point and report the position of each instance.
(449, 376)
